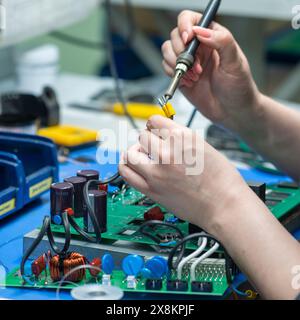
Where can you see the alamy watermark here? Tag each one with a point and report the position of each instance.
(296, 17)
(296, 279)
(179, 147)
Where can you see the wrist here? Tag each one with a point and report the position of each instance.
(249, 118)
(231, 210)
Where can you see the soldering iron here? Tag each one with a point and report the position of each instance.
(186, 59)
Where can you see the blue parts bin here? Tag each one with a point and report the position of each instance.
(28, 167)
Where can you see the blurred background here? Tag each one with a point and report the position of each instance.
(63, 44)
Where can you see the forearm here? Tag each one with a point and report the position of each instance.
(259, 245)
(273, 131)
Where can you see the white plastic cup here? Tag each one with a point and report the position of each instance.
(38, 68)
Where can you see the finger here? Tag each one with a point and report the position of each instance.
(177, 42)
(169, 54)
(139, 161)
(157, 122)
(168, 70)
(186, 20)
(221, 40)
(134, 179)
(152, 144)
(186, 83)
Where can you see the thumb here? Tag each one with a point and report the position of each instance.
(221, 40)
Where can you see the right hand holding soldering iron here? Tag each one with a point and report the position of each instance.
(220, 84)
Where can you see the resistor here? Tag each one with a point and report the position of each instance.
(39, 265)
(97, 264)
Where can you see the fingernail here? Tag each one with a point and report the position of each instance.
(185, 37)
(203, 32)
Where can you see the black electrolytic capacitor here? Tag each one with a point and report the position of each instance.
(98, 200)
(79, 206)
(88, 174)
(61, 195)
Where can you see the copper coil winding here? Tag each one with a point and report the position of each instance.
(62, 266)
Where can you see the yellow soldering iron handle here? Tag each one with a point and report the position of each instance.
(143, 110)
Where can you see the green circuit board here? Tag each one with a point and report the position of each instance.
(125, 216)
(208, 273)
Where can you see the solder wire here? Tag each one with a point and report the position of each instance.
(195, 254)
(206, 255)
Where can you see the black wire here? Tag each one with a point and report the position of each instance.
(193, 115)
(90, 209)
(157, 223)
(46, 230)
(94, 45)
(181, 247)
(113, 66)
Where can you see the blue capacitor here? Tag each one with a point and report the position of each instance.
(156, 267)
(146, 273)
(108, 264)
(57, 220)
(132, 265)
(163, 260)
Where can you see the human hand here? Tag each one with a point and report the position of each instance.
(197, 190)
(220, 84)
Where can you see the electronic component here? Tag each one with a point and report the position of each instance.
(38, 265)
(108, 264)
(198, 286)
(78, 203)
(88, 174)
(275, 195)
(153, 284)
(155, 268)
(96, 263)
(106, 280)
(168, 237)
(154, 213)
(61, 195)
(98, 200)
(288, 185)
(177, 285)
(131, 282)
(132, 265)
(61, 266)
(259, 189)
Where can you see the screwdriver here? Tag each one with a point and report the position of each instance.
(186, 59)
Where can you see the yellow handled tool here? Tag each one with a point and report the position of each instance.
(144, 110)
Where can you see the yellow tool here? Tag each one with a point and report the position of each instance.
(144, 110)
(69, 136)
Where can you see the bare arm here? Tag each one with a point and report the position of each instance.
(218, 200)
(273, 130)
(260, 246)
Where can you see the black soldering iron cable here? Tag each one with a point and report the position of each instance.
(113, 66)
(80, 42)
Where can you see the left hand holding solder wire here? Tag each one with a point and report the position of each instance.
(175, 167)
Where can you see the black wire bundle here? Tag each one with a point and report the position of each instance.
(46, 230)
